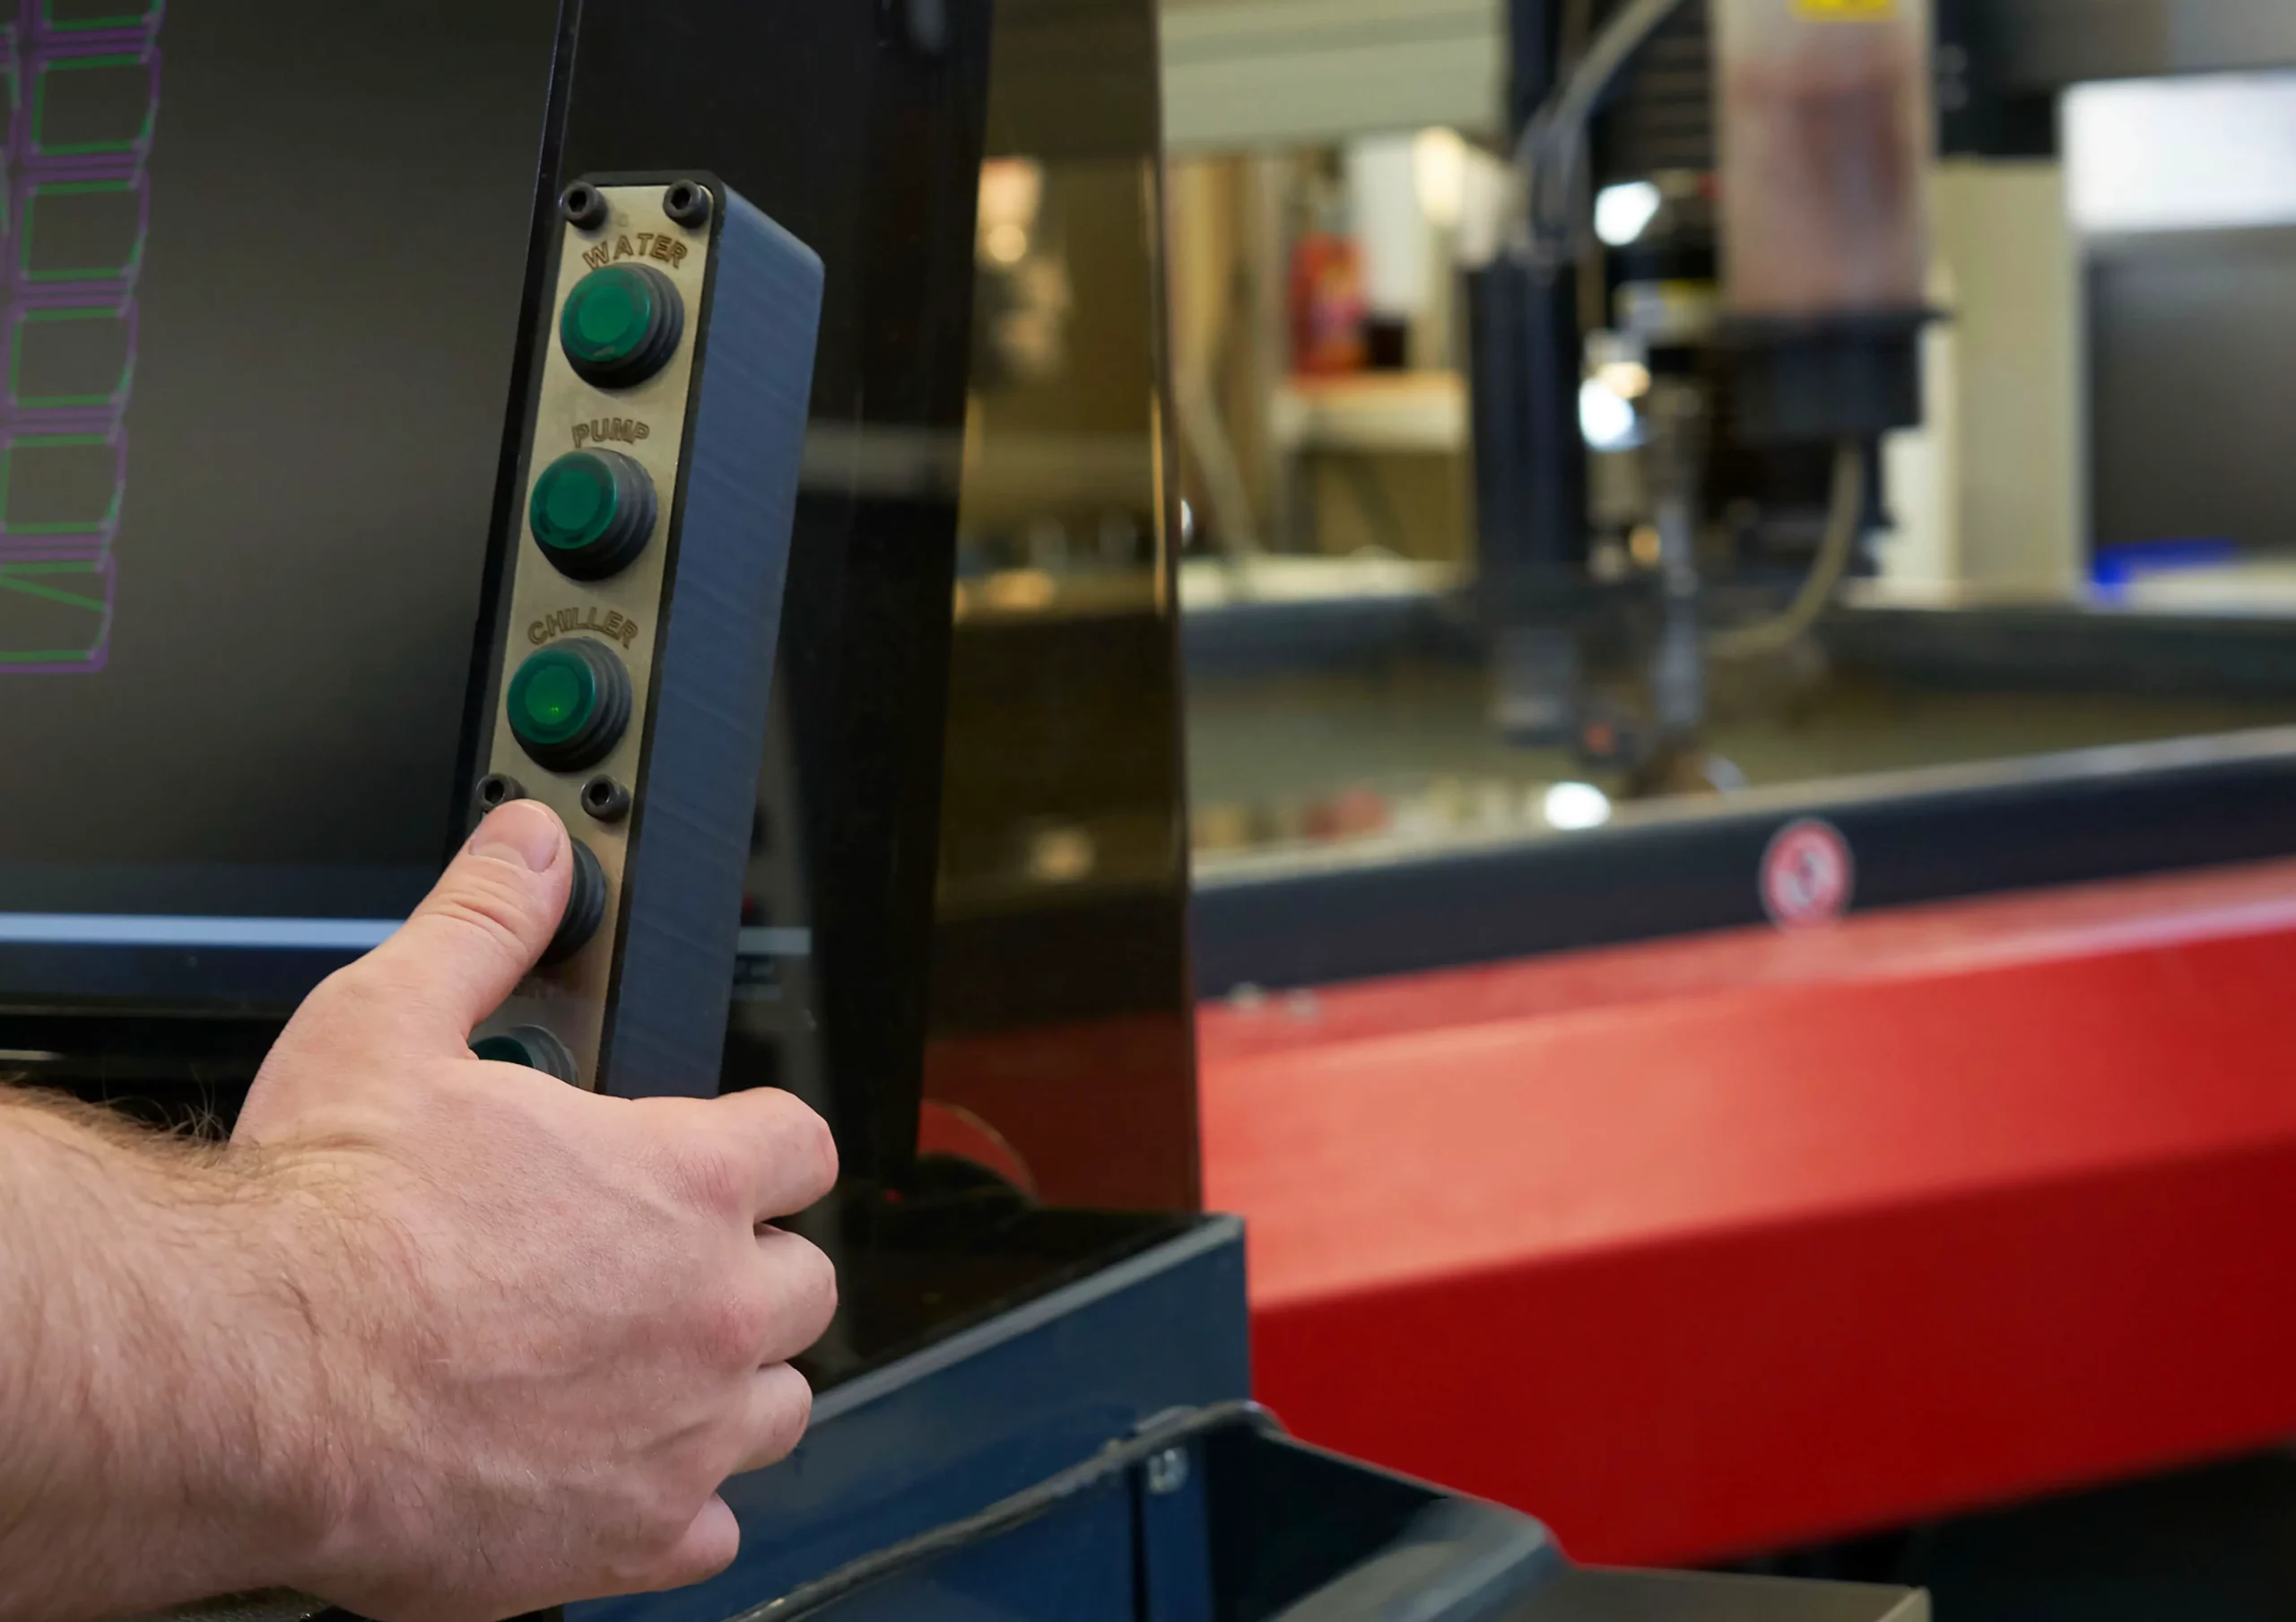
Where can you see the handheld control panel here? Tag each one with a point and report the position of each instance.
(639, 608)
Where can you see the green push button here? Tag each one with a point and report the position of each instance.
(554, 697)
(503, 1049)
(593, 512)
(574, 502)
(622, 325)
(532, 1048)
(569, 704)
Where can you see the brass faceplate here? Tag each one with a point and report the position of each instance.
(646, 423)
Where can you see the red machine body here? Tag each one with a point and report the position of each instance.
(1737, 1242)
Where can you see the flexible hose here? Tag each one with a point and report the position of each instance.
(1844, 517)
(1553, 156)
(1159, 1436)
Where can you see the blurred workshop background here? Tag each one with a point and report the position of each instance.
(2095, 483)
(1738, 614)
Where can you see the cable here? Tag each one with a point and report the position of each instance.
(1159, 1436)
(1553, 154)
(1844, 518)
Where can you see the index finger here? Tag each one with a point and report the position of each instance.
(766, 1151)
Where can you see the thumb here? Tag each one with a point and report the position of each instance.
(485, 923)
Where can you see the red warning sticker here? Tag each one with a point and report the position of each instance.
(1808, 875)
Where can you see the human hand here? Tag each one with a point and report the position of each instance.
(547, 1325)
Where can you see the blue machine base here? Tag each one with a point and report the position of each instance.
(1235, 1526)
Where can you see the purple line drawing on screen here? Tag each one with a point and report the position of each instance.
(83, 95)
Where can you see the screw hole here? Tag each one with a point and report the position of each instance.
(688, 204)
(584, 206)
(605, 799)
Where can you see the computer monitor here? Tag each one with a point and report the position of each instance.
(264, 271)
(267, 271)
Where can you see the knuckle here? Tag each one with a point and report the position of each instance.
(493, 916)
(804, 1289)
(815, 1289)
(785, 1417)
(807, 1146)
(691, 1561)
(732, 1327)
(711, 1176)
(798, 1407)
(822, 1147)
(684, 1544)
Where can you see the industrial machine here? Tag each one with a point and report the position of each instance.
(1767, 307)
(241, 663)
(1693, 367)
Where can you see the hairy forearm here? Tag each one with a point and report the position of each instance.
(163, 1385)
(436, 1339)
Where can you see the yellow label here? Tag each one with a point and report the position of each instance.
(1846, 11)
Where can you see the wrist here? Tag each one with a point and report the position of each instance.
(181, 1399)
(312, 1418)
(248, 1416)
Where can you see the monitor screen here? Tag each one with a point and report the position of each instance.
(264, 270)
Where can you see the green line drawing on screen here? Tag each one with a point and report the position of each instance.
(26, 583)
(72, 526)
(82, 84)
(91, 25)
(83, 149)
(42, 191)
(115, 396)
(11, 582)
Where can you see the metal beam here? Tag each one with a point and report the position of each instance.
(1257, 74)
(2049, 44)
